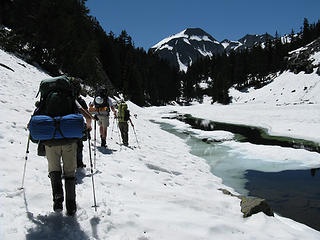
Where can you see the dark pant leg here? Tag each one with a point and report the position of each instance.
(70, 187)
(79, 154)
(57, 191)
(123, 126)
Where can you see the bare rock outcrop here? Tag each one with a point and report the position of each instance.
(251, 205)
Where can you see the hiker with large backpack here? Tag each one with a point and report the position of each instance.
(101, 110)
(58, 123)
(123, 118)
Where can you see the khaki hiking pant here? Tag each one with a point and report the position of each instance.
(68, 153)
(103, 120)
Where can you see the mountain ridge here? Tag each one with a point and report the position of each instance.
(185, 47)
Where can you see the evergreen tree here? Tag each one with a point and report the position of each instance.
(60, 36)
(306, 34)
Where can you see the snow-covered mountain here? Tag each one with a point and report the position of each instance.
(184, 48)
(247, 42)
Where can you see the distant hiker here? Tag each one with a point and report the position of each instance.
(80, 163)
(101, 109)
(59, 124)
(123, 118)
(82, 102)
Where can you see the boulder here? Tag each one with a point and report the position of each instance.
(251, 205)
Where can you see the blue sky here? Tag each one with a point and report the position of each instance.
(150, 21)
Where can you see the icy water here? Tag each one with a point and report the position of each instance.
(292, 193)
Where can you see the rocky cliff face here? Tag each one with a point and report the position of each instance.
(305, 59)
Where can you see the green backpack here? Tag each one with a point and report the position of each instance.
(123, 112)
(57, 97)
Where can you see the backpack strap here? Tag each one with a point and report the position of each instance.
(57, 127)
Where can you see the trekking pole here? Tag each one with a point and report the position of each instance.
(112, 127)
(118, 130)
(91, 166)
(135, 134)
(25, 163)
(95, 143)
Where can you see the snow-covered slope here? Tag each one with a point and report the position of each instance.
(287, 88)
(157, 191)
(288, 106)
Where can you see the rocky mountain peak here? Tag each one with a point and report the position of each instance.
(184, 48)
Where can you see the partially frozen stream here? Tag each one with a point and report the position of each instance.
(245, 167)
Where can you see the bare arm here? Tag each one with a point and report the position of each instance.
(114, 111)
(86, 115)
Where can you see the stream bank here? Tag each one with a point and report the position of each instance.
(248, 176)
(254, 135)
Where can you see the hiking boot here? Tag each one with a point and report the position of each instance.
(58, 205)
(57, 191)
(71, 207)
(103, 143)
(70, 187)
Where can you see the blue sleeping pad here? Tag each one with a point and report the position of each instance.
(43, 127)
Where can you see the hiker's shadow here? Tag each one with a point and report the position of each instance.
(55, 227)
(82, 173)
(106, 150)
